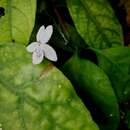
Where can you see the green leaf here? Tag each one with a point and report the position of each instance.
(97, 86)
(96, 23)
(116, 63)
(18, 21)
(37, 97)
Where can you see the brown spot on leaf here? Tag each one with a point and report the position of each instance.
(46, 70)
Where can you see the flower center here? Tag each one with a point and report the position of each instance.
(38, 52)
(39, 43)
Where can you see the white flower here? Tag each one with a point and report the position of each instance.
(39, 48)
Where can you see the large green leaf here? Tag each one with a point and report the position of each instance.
(18, 21)
(96, 22)
(96, 84)
(116, 63)
(37, 97)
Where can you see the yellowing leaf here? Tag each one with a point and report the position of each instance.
(18, 21)
(37, 97)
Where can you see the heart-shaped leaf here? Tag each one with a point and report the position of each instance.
(97, 86)
(116, 63)
(37, 97)
(18, 20)
(96, 23)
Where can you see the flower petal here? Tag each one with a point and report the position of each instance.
(40, 32)
(49, 52)
(37, 56)
(45, 35)
(31, 47)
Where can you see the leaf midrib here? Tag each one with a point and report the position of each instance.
(97, 24)
(10, 18)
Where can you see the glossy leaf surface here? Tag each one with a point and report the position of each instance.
(96, 23)
(96, 84)
(116, 63)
